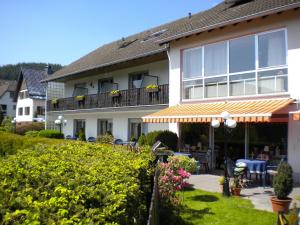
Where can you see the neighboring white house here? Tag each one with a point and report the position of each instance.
(239, 56)
(31, 95)
(7, 93)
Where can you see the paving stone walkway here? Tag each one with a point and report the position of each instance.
(259, 196)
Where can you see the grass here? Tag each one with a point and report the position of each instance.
(201, 207)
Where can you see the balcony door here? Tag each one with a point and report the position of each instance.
(136, 79)
(105, 126)
(79, 126)
(135, 128)
(105, 85)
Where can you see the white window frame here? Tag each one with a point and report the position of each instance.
(256, 70)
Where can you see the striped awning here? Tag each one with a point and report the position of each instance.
(241, 111)
(296, 115)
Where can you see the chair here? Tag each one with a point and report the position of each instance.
(69, 137)
(118, 142)
(91, 139)
(204, 161)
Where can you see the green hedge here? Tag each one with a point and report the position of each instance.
(168, 138)
(74, 183)
(51, 134)
(10, 143)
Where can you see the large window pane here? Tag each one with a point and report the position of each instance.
(271, 49)
(272, 81)
(215, 59)
(193, 89)
(242, 84)
(216, 87)
(192, 63)
(242, 54)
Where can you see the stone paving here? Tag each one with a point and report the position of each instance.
(259, 196)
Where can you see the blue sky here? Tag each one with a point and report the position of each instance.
(61, 31)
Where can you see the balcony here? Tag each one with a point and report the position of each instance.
(126, 98)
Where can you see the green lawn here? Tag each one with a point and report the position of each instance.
(201, 207)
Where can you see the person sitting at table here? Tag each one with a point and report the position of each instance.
(265, 155)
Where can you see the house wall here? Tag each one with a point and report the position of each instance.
(22, 103)
(289, 20)
(294, 147)
(120, 123)
(7, 100)
(159, 69)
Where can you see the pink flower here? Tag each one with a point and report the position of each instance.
(183, 173)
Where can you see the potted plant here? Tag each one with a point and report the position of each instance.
(54, 101)
(283, 186)
(115, 93)
(221, 183)
(152, 88)
(80, 98)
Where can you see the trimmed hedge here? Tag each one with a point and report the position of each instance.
(74, 183)
(51, 134)
(10, 143)
(167, 137)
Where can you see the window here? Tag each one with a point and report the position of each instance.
(40, 110)
(11, 94)
(272, 49)
(79, 127)
(14, 107)
(135, 79)
(135, 129)
(4, 109)
(106, 85)
(27, 111)
(104, 126)
(250, 65)
(23, 94)
(80, 89)
(20, 111)
(215, 59)
(192, 63)
(242, 54)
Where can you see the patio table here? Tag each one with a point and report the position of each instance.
(254, 166)
(184, 154)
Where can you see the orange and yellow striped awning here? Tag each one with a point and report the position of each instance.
(241, 111)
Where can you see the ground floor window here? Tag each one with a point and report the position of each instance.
(79, 127)
(135, 128)
(40, 110)
(4, 109)
(104, 126)
(27, 111)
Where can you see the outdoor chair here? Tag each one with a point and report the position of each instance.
(69, 137)
(91, 139)
(118, 142)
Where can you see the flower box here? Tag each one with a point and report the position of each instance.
(80, 98)
(115, 93)
(152, 88)
(54, 101)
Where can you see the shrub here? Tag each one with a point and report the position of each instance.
(283, 181)
(51, 134)
(7, 125)
(11, 143)
(172, 178)
(221, 180)
(168, 138)
(184, 162)
(31, 126)
(142, 140)
(33, 133)
(105, 139)
(74, 183)
(81, 135)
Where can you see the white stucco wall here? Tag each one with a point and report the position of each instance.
(294, 147)
(159, 69)
(5, 99)
(120, 123)
(28, 102)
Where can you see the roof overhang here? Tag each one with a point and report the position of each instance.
(230, 22)
(114, 65)
(241, 111)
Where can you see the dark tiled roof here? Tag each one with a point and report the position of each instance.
(225, 14)
(134, 47)
(7, 85)
(33, 79)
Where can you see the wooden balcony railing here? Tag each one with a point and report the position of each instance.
(131, 97)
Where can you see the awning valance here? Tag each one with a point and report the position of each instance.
(241, 111)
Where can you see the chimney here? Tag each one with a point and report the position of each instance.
(48, 70)
(190, 15)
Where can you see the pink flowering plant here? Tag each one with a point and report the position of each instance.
(173, 177)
